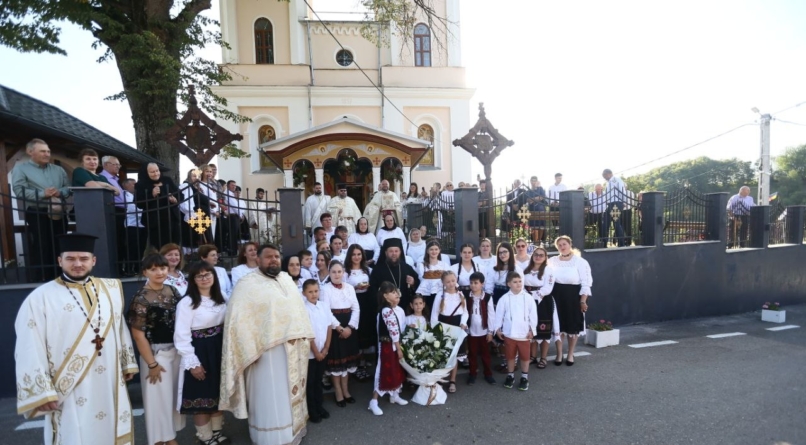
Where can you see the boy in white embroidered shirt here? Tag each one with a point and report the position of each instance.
(516, 324)
(322, 321)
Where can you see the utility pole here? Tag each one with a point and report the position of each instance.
(766, 169)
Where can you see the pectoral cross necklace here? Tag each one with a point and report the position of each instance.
(98, 341)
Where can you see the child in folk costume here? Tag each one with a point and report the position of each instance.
(389, 375)
(344, 354)
(198, 337)
(465, 268)
(417, 319)
(539, 281)
(449, 308)
(481, 328)
(430, 272)
(322, 321)
(151, 318)
(516, 324)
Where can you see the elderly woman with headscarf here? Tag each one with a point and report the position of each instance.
(157, 196)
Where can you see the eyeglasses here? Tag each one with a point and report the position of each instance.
(540, 255)
(505, 252)
(204, 276)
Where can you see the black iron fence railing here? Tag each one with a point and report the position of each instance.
(612, 219)
(436, 217)
(684, 216)
(738, 222)
(778, 224)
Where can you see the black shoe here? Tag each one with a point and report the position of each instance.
(324, 414)
(471, 380)
(558, 362)
(350, 400)
(489, 380)
(341, 403)
(524, 384)
(315, 419)
(569, 362)
(509, 382)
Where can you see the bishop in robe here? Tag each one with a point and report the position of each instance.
(383, 203)
(74, 353)
(344, 209)
(392, 267)
(314, 207)
(264, 363)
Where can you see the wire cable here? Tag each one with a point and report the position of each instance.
(788, 122)
(789, 108)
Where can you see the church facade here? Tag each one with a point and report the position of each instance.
(317, 116)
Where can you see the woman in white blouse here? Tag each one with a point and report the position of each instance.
(343, 357)
(538, 280)
(391, 230)
(322, 267)
(465, 267)
(495, 280)
(198, 337)
(337, 252)
(173, 253)
(356, 274)
(366, 239)
(430, 273)
(522, 257)
(416, 250)
(209, 254)
(485, 258)
(247, 261)
(572, 287)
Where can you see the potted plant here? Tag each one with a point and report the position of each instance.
(601, 334)
(772, 312)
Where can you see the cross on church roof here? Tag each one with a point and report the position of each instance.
(287, 163)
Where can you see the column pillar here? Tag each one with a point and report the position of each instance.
(291, 229)
(652, 221)
(466, 207)
(376, 178)
(572, 217)
(288, 179)
(87, 202)
(760, 226)
(320, 176)
(795, 216)
(406, 179)
(716, 215)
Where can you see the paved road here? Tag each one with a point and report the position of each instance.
(748, 389)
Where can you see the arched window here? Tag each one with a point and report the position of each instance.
(265, 134)
(422, 45)
(264, 42)
(426, 133)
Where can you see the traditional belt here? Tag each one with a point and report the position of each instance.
(385, 339)
(207, 332)
(532, 288)
(341, 311)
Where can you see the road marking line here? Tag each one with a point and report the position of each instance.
(654, 343)
(31, 425)
(138, 412)
(729, 334)
(576, 354)
(783, 328)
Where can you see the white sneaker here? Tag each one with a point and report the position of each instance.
(373, 406)
(395, 398)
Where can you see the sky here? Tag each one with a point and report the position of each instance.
(579, 86)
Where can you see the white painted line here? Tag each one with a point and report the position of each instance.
(138, 412)
(31, 425)
(576, 354)
(729, 334)
(654, 343)
(783, 328)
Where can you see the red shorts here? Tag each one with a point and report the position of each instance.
(520, 346)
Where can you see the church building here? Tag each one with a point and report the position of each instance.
(317, 116)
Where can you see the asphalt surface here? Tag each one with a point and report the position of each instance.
(748, 389)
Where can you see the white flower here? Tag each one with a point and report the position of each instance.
(436, 344)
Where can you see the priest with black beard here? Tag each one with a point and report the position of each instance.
(392, 267)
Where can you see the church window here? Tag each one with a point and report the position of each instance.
(264, 42)
(344, 57)
(426, 133)
(265, 134)
(422, 45)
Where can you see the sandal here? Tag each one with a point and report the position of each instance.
(532, 360)
(451, 387)
(541, 364)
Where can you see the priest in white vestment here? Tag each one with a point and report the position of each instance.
(383, 203)
(265, 356)
(344, 210)
(74, 353)
(262, 219)
(314, 207)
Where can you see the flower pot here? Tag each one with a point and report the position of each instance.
(773, 316)
(602, 339)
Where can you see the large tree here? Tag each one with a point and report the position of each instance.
(153, 43)
(789, 177)
(703, 174)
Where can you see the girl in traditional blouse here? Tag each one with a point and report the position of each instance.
(357, 275)
(449, 308)
(173, 254)
(343, 357)
(199, 339)
(465, 268)
(322, 271)
(522, 257)
(538, 280)
(572, 287)
(416, 249)
(209, 254)
(391, 230)
(151, 318)
(247, 261)
(364, 238)
(418, 317)
(390, 323)
(495, 280)
(336, 251)
(485, 259)
(430, 273)
(294, 269)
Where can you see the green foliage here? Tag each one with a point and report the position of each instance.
(402, 16)
(789, 178)
(232, 151)
(703, 174)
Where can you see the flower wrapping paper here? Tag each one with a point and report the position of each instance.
(429, 391)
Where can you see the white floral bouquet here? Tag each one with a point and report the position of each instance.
(429, 355)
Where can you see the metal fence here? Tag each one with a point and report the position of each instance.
(521, 213)
(738, 223)
(684, 213)
(612, 219)
(777, 223)
(436, 216)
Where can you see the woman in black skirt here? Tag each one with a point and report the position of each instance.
(572, 288)
(343, 357)
(538, 280)
(198, 336)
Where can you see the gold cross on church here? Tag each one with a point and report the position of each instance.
(200, 221)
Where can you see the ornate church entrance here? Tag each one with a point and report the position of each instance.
(351, 170)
